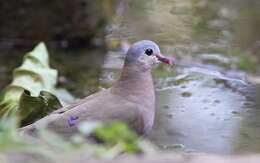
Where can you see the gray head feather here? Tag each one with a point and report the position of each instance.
(138, 49)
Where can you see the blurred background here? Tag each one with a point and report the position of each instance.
(206, 103)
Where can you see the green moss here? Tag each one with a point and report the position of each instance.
(212, 50)
(183, 86)
(180, 81)
(235, 112)
(247, 63)
(242, 60)
(169, 116)
(176, 147)
(166, 107)
(248, 104)
(186, 94)
(161, 71)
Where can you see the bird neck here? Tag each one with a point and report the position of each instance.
(136, 82)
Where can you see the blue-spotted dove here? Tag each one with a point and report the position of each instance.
(131, 99)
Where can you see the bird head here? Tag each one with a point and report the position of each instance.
(146, 51)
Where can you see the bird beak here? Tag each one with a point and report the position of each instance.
(164, 59)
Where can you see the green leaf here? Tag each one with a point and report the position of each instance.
(118, 134)
(36, 77)
(33, 108)
(34, 74)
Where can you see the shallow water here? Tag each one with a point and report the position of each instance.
(200, 110)
(208, 114)
(208, 102)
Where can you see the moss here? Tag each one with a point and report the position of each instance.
(247, 63)
(219, 51)
(169, 116)
(248, 104)
(161, 71)
(176, 147)
(166, 107)
(180, 81)
(235, 112)
(242, 60)
(183, 86)
(186, 94)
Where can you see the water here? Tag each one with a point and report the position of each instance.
(208, 102)
(185, 28)
(200, 110)
(208, 114)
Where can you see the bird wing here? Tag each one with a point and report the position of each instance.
(104, 107)
(77, 103)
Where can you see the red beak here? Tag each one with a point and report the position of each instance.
(164, 60)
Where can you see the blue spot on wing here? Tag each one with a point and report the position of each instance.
(73, 120)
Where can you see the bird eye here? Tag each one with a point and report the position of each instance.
(148, 52)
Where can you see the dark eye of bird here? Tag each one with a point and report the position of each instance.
(149, 52)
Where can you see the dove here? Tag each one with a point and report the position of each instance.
(131, 99)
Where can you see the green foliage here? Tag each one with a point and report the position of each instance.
(27, 92)
(48, 144)
(33, 75)
(8, 133)
(117, 139)
(118, 134)
(33, 108)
